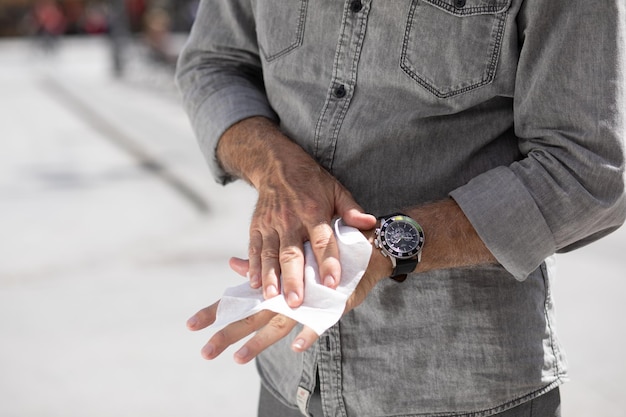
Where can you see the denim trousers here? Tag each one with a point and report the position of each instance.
(547, 405)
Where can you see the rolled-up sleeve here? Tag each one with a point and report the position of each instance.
(569, 114)
(219, 75)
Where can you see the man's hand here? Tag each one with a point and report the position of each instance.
(297, 201)
(271, 327)
(451, 242)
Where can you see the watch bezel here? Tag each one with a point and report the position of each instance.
(386, 223)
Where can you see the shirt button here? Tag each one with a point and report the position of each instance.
(459, 4)
(356, 6)
(340, 91)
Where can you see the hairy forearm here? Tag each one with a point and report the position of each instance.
(451, 240)
(255, 148)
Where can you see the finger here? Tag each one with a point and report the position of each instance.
(326, 252)
(292, 271)
(270, 267)
(234, 332)
(203, 318)
(304, 340)
(277, 328)
(351, 213)
(240, 266)
(358, 219)
(254, 254)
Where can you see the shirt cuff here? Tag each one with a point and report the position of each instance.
(220, 111)
(507, 219)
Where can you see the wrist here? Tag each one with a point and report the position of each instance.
(268, 152)
(452, 240)
(247, 150)
(379, 265)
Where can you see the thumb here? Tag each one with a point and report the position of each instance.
(240, 266)
(351, 213)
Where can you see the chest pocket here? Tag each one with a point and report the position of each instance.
(452, 46)
(280, 26)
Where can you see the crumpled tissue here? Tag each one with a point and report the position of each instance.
(322, 306)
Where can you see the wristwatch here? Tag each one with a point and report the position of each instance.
(401, 239)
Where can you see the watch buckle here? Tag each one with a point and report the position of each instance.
(399, 278)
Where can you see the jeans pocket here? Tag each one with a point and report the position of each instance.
(280, 26)
(452, 46)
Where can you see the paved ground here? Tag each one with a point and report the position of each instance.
(105, 246)
(112, 234)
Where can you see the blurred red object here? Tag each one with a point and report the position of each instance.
(49, 18)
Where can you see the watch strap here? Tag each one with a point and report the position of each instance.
(399, 278)
(404, 266)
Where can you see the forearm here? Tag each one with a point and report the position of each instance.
(219, 75)
(450, 240)
(255, 148)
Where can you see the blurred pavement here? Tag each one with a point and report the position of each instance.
(112, 233)
(105, 249)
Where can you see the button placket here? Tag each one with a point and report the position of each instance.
(329, 371)
(342, 83)
(339, 96)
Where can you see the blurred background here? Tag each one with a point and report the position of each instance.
(79, 17)
(153, 20)
(112, 232)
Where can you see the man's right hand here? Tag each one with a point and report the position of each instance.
(297, 201)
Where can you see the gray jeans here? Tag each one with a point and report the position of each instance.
(547, 405)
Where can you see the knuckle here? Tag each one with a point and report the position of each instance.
(221, 336)
(269, 254)
(312, 207)
(279, 324)
(286, 215)
(322, 237)
(249, 321)
(321, 242)
(256, 236)
(289, 255)
(254, 251)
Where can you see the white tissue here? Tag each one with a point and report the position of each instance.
(322, 306)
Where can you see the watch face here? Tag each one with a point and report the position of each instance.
(401, 236)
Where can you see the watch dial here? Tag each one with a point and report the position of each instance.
(402, 238)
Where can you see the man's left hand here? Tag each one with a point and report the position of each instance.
(271, 327)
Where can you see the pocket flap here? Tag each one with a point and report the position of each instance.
(471, 7)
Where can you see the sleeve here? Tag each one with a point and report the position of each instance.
(569, 116)
(219, 75)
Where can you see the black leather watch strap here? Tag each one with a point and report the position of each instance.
(399, 278)
(404, 266)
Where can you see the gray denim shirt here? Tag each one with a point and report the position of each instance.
(514, 108)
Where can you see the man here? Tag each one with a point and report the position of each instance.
(494, 124)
